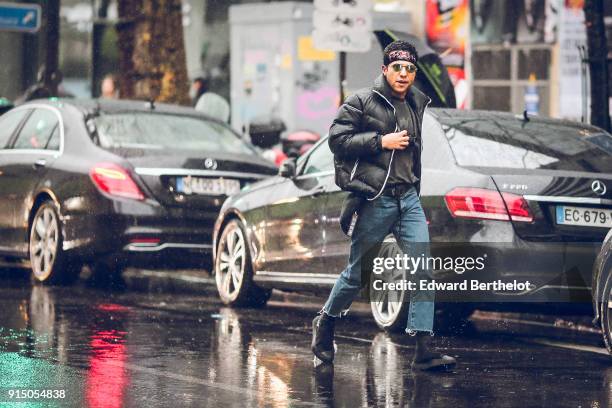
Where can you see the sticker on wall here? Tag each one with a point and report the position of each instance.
(286, 62)
(307, 51)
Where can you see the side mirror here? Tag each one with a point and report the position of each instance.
(287, 168)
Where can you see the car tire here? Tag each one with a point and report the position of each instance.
(389, 309)
(234, 269)
(50, 264)
(391, 313)
(605, 312)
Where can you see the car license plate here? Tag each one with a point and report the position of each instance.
(209, 186)
(588, 217)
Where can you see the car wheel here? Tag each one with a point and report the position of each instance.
(389, 308)
(605, 311)
(234, 270)
(49, 262)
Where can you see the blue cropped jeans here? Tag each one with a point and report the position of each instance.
(404, 217)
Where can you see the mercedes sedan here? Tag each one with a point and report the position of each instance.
(113, 183)
(531, 194)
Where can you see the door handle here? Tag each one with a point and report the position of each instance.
(40, 163)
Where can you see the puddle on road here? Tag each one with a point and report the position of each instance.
(112, 353)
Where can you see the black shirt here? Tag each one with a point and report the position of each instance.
(402, 168)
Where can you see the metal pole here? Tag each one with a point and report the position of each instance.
(584, 82)
(342, 75)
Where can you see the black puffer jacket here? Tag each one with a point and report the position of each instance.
(355, 137)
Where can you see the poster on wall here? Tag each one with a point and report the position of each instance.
(572, 34)
(448, 33)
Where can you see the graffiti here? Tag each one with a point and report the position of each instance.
(319, 104)
(312, 79)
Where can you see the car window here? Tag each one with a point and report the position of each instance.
(494, 141)
(321, 159)
(8, 123)
(54, 140)
(436, 152)
(157, 131)
(37, 130)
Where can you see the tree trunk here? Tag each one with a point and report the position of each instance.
(152, 51)
(598, 66)
(99, 27)
(51, 74)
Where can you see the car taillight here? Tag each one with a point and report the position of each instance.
(486, 204)
(517, 207)
(114, 180)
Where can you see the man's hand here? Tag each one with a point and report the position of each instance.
(396, 141)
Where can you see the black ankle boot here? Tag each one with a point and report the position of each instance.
(426, 358)
(323, 337)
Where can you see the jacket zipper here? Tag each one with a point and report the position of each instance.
(392, 151)
(354, 170)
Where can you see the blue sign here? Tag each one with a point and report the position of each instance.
(20, 17)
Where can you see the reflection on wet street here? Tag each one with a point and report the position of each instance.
(130, 349)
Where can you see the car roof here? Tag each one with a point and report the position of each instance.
(110, 106)
(452, 115)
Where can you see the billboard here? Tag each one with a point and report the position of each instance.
(448, 33)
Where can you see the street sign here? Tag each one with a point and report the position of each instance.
(343, 5)
(342, 25)
(327, 21)
(20, 17)
(342, 40)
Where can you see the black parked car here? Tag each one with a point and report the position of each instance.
(113, 183)
(533, 192)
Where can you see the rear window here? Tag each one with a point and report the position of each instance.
(161, 131)
(538, 144)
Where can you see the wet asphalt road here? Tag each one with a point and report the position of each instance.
(133, 349)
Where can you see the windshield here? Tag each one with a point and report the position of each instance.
(494, 141)
(162, 131)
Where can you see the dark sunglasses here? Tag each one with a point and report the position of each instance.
(410, 68)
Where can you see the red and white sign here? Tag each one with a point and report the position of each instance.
(342, 25)
(343, 5)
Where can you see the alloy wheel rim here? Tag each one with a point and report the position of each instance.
(230, 266)
(386, 305)
(43, 243)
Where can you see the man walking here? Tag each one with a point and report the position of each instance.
(376, 141)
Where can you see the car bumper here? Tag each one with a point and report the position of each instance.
(555, 272)
(142, 234)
